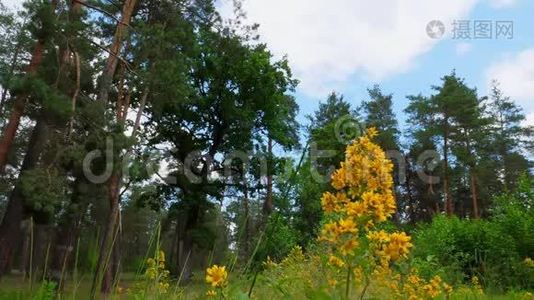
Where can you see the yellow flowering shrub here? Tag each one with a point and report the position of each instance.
(363, 199)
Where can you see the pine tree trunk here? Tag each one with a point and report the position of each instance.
(103, 277)
(10, 229)
(66, 237)
(108, 264)
(448, 201)
(268, 203)
(24, 253)
(246, 236)
(111, 64)
(20, 103)
(474, 195)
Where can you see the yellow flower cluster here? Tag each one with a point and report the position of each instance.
(269, 263)
(365, 181)
(390, 246)
(216, 276)
(364, 197)
(415, 287)
(157, 273)
(476, 284)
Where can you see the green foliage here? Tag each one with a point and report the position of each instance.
(46, 291)
(378, 113)
(278, 241)
(44, 191)
(494, 250)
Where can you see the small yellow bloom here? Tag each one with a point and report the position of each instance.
(335, 261)
(163, 287)
(332, 282)
(216, 276)
(348, 247)
(447, 288)
(211, 293)
(347, 226)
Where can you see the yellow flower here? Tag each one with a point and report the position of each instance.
(476, 283)
(163, 287)
(378, 236)
(447, 288)
(269, 263)
(414, 279)
(370, 224)
(161, 256)
(328, 202)
(216, 276)
(151, 273)
(347, 226)
(330, 232)
(529, 262)
(399, 245)
(332, 282)
(335, 261)
(431, 290)
(356, 209)
(348, 247)
(211, 293)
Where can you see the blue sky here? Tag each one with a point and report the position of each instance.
(349, 45)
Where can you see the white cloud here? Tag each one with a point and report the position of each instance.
(328, 41)
(530, 119)
(463, 48)
(502, 3)
(12, 4)
(515, 73)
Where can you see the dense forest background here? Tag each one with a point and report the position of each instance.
(128, 121)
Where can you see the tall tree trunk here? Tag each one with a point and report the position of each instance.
(102, 277)
(247, 233)
(66, 237)
(409, 194)
(187, 222)
(474, 194)
(448, 201)
(111, 64)
(268, 203)
(41, 243)
(104, 273)
(20, 102)
(25, 251)
(10, 229)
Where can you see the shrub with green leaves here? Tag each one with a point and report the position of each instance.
(494, 250)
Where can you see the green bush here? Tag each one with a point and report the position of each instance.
(494, 250)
